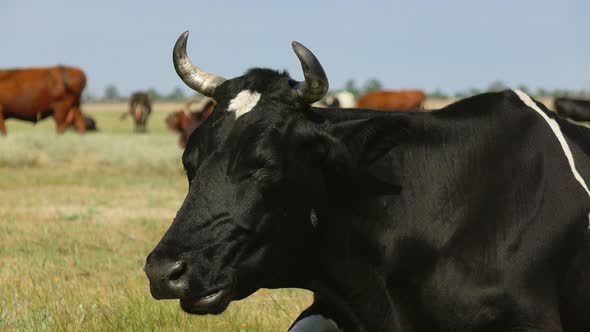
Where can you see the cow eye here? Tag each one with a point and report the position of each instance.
(263, 174)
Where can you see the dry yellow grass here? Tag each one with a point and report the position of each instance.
(79, 214)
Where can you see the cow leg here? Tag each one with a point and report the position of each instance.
(142, 123)
(60, 117)
(145, 120)
(78, 119)
(2, 127)
(62, 114)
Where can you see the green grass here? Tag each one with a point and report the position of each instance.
(79, 214)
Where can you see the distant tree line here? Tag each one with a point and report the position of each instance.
(374, 84)
(499, 85)
(111, 92)
(371, 84)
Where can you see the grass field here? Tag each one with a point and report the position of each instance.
(79, 214)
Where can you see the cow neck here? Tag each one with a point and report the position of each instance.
(346, 273)
(349, 256)
(359, 293)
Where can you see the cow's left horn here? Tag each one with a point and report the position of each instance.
(316, 84)
(192, 75)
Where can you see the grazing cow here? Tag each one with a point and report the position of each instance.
(184, 125)
(392, 100)
(471, 218)
(140, 107)
(575, 109)
(33, 94)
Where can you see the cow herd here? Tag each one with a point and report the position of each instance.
(472, 217)
(33, 94)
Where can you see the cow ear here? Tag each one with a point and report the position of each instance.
(367, 140)
(343, 151)
(354, 146)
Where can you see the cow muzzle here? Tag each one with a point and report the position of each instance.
(169, 279)
(166, 277)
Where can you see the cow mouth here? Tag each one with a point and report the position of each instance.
(214, 303)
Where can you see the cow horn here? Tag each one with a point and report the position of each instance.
(192, 75)
(316, 84)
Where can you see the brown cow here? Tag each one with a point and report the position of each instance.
(185, 124)
(32, 94)
(140, 107)
(392, 100)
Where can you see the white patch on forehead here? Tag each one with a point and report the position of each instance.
(244, 102)
(560, 138)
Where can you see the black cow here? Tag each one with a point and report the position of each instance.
(470, 218)
(575, 109)
(89, 123)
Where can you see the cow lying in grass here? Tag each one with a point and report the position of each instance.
(473, 217)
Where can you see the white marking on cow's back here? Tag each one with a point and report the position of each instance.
(315, 323)
(557, 131)
(244, 102)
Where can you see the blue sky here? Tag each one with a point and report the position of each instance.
(448, 45)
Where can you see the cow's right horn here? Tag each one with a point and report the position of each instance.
(315, 85)
(192, 75)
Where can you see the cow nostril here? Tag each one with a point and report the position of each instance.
(177, 270)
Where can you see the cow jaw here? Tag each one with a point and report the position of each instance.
(214, 303)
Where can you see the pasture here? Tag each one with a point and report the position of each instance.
(79, 214)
